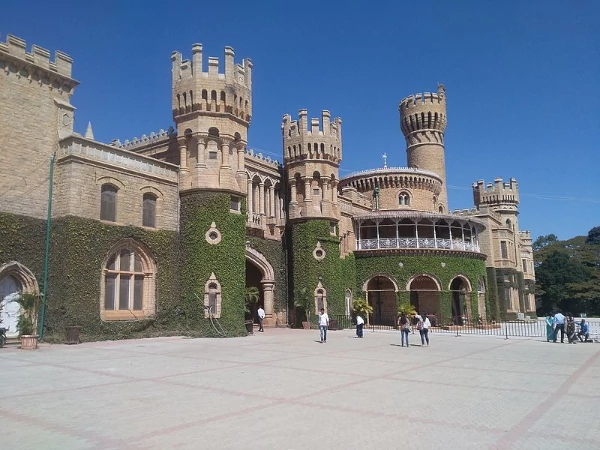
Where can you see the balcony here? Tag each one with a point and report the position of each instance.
(417, 243)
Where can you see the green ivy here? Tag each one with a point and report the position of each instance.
(199, 259)
(403, 267)
(308, 271)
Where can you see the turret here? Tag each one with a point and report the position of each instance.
(423, 123)
(312, 156)
(498, 196)
(212, 111)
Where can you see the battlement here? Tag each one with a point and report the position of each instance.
(525, 236)
(322, 139)
(153, 138)
(497, 193)
(258, 156)
(240, 73)
(421, 112)
(38, 56)
(212, 91)
(324, 127)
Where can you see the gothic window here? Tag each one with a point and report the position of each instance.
(149, 210)
(404, 199)
(127, 285)
(503, 250)
(108, 203)
(212, 297)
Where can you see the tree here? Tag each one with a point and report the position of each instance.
(593, 236)
(305, 301)
(252, 296)
(543, 241)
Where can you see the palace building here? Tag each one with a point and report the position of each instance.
(163, 234)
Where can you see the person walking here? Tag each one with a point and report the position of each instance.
(549, 328)
(570, 325)
(404, 324)
(360, 323)
(424, 330)
(261, 316)
(323, 324)
(559, 325)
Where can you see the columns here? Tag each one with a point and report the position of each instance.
(240, 158)
(417, 232)
(261, 198)
(271, 201)
(450, 234)
(201, 152)
(182, 153)
(307, 189)
(334, 197)
(434, 234)
(225, 153)
(249, 199)
(269, 303)
(326, 189)
(294, 193)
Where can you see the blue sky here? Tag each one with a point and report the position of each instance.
(522, 81)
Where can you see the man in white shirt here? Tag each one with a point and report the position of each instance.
(323, 324)
(559, 324)
(360, 322)
(261, 316)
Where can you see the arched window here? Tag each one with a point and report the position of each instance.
(128, 285)
(149, 210)
(212, 297)
(108, 203)
(403, 199)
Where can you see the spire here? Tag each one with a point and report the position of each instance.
(89, 133)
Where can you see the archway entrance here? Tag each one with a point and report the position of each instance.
(461, 308)
(381, 295)
(253, 280)
(425, 296)
(260, 274)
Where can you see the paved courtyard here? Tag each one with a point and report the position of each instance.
(283, 390)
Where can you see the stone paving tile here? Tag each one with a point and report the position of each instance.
(281, 390)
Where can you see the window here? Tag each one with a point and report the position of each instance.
(503, 250)
(234, 203)
(403, 199)
(149, 207)
(212, 297)
(524, 261)
(108, 203)
(127, 285)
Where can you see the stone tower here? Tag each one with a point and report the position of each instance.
(212, 112)
(423, 122)
(499, 197)
(312, 159)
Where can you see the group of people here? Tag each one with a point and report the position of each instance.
(422, 323)
(558, 322)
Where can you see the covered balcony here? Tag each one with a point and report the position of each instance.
(382, 230)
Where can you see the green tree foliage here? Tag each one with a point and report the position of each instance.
(568, 273)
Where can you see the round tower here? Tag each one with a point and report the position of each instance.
(423, 122)
(212, 112)
(312, 159)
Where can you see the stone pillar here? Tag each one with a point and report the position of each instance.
(182, 153)
(201, 152)
(269, 300)
(240, 158)
(261, 198)
(325, 190)
(334, 197)
(307, 189)
(249, 199)
(225, 152)
(294, 193)
(271, 201)
(277, 205)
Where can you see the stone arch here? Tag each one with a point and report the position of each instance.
(460, 289)
(381, 295)
(14, 277)
(425, 294)
(267, 283)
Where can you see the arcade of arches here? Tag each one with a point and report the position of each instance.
(425, 295)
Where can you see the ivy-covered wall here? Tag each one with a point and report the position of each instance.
(514, 279)
(308, 271)
(274, 252)
(199, 259)
(403, 267)
(78, 248)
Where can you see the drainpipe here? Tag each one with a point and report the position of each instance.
(43, 312)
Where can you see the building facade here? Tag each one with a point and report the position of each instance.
(164, 234)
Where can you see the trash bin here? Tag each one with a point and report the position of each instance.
(73, 335)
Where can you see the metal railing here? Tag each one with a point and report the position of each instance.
(439, 243)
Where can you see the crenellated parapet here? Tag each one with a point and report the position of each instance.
(152, 138)
(497, 195)
(36, 66)
(423, 116)
(194, 89)
(258, 156)
(322, 140)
